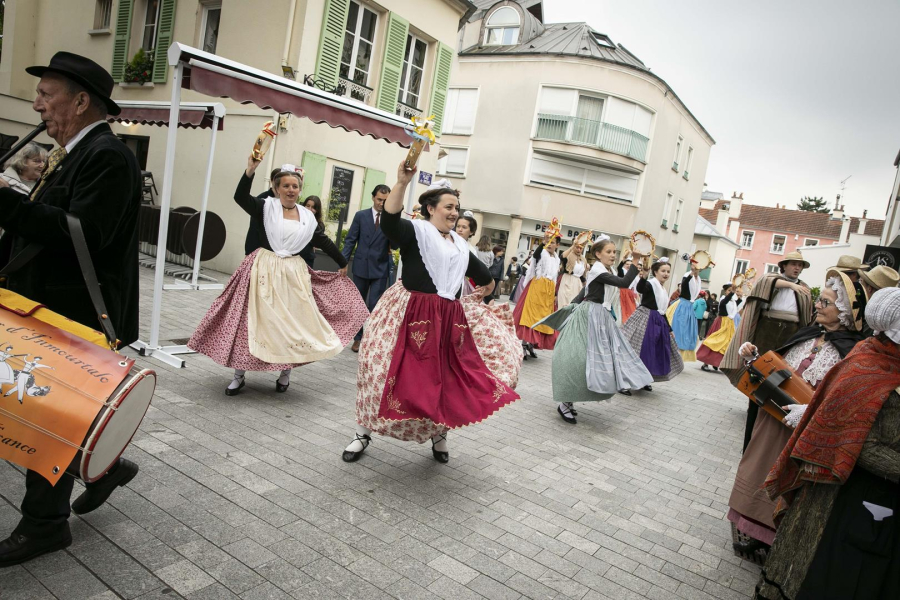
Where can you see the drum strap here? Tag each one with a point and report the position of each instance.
(87, 271)
(90, 278)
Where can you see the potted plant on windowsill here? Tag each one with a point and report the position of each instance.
(139, 70)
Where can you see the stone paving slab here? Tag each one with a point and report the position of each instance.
(247, 497)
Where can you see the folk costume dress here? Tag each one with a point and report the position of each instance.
(277, 313)
(593, 360)
(538, 300)
(572, 279)
(421, 365)
(751, 510)
(682, 318)
(716, 343)
(649, 333)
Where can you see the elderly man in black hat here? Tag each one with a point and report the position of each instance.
(93, 176)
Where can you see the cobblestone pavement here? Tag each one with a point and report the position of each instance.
(248, 497)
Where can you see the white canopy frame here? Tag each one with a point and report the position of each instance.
(181, 56)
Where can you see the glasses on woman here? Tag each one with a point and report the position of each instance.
(823, 302)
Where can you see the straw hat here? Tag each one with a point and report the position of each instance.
(850, 263)
(851, 295)
(880, 277)
(795, 255)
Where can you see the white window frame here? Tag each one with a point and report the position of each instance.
(465, 167)
(806, 241)
(407, 68)
(155, 26)
(207, 7)
(678, 146)
(752, 238)
(356, 38)
(488, 28)
(586, 167)
(679, 211)
(102, 16)
(737, 266)
(688, 161)
(474, 120)
(772, 249)
(776, 270)
(667, 208)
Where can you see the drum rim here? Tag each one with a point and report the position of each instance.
(703, 253)
(103, 420)
(647, 235)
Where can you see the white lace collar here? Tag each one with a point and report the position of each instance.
(446, 263)
(295, 241)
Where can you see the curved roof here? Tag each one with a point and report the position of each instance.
(571, 39)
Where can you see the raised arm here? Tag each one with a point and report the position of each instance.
(619, 282)
(242, 195)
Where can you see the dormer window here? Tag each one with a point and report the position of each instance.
(502, 27)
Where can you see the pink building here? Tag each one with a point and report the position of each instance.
(766, 234)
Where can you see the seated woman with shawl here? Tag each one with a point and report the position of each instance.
(836, 479)
(277, 313)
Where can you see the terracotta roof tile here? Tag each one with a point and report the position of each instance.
(819, 225)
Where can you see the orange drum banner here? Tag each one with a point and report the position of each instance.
(52, 386)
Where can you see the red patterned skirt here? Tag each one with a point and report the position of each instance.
(222, 334)
(424, 366)
(628, 303)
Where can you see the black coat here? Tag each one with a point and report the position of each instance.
(100, 183)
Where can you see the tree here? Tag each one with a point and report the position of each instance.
(816, 205)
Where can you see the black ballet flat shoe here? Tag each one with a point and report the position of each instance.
(531, 351)
(625, 392)
(281, 388)
(18, 548)
(750, 546)
(648, 388)
(441, 457)
(706, 368)
(349, 456)
(235, 391)
(572, 410)
(567, 415)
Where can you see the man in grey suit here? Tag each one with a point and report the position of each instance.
(372, 260)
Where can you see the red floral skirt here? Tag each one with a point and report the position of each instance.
(421, 365)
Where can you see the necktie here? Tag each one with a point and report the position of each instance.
(377, 220)
(53, 161)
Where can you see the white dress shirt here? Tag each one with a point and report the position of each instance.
(80, 135)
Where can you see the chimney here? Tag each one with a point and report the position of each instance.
(722, 220)
(736, 201)
(838, 213)
(845, 231)
(862, 223)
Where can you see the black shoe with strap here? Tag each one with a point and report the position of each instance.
(625, 392)
(567, 414)
(750, 546)
(230, 391)
(441, 457)
(648, 388)
(19, 548)
(95, 494)
(350, 455)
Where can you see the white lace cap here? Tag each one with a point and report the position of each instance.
(883, 313)
(440, 184)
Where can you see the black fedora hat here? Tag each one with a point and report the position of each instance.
(85, 73)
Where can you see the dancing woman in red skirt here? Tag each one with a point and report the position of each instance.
(422, 362)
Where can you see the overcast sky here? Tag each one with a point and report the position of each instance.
(798, 94)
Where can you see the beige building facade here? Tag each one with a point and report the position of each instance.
(549, 120)
(394, 54)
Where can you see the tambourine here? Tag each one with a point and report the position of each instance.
(738, 280)
(750, 274)
(643, 243)
(702, 259)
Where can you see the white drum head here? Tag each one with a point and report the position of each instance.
(702, 258)
(115, 428)
(750, 274)
(643, 243)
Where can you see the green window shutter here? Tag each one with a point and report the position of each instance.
(331, 42)
(165, 28)
(440, 85)
(392, 67)
(372, 178)
(313, 176)
(123, 35)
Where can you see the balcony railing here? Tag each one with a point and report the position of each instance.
(597, 134)
(354, 90)
(407, 111)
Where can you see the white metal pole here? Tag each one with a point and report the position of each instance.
(168, 175)
(209, 164)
